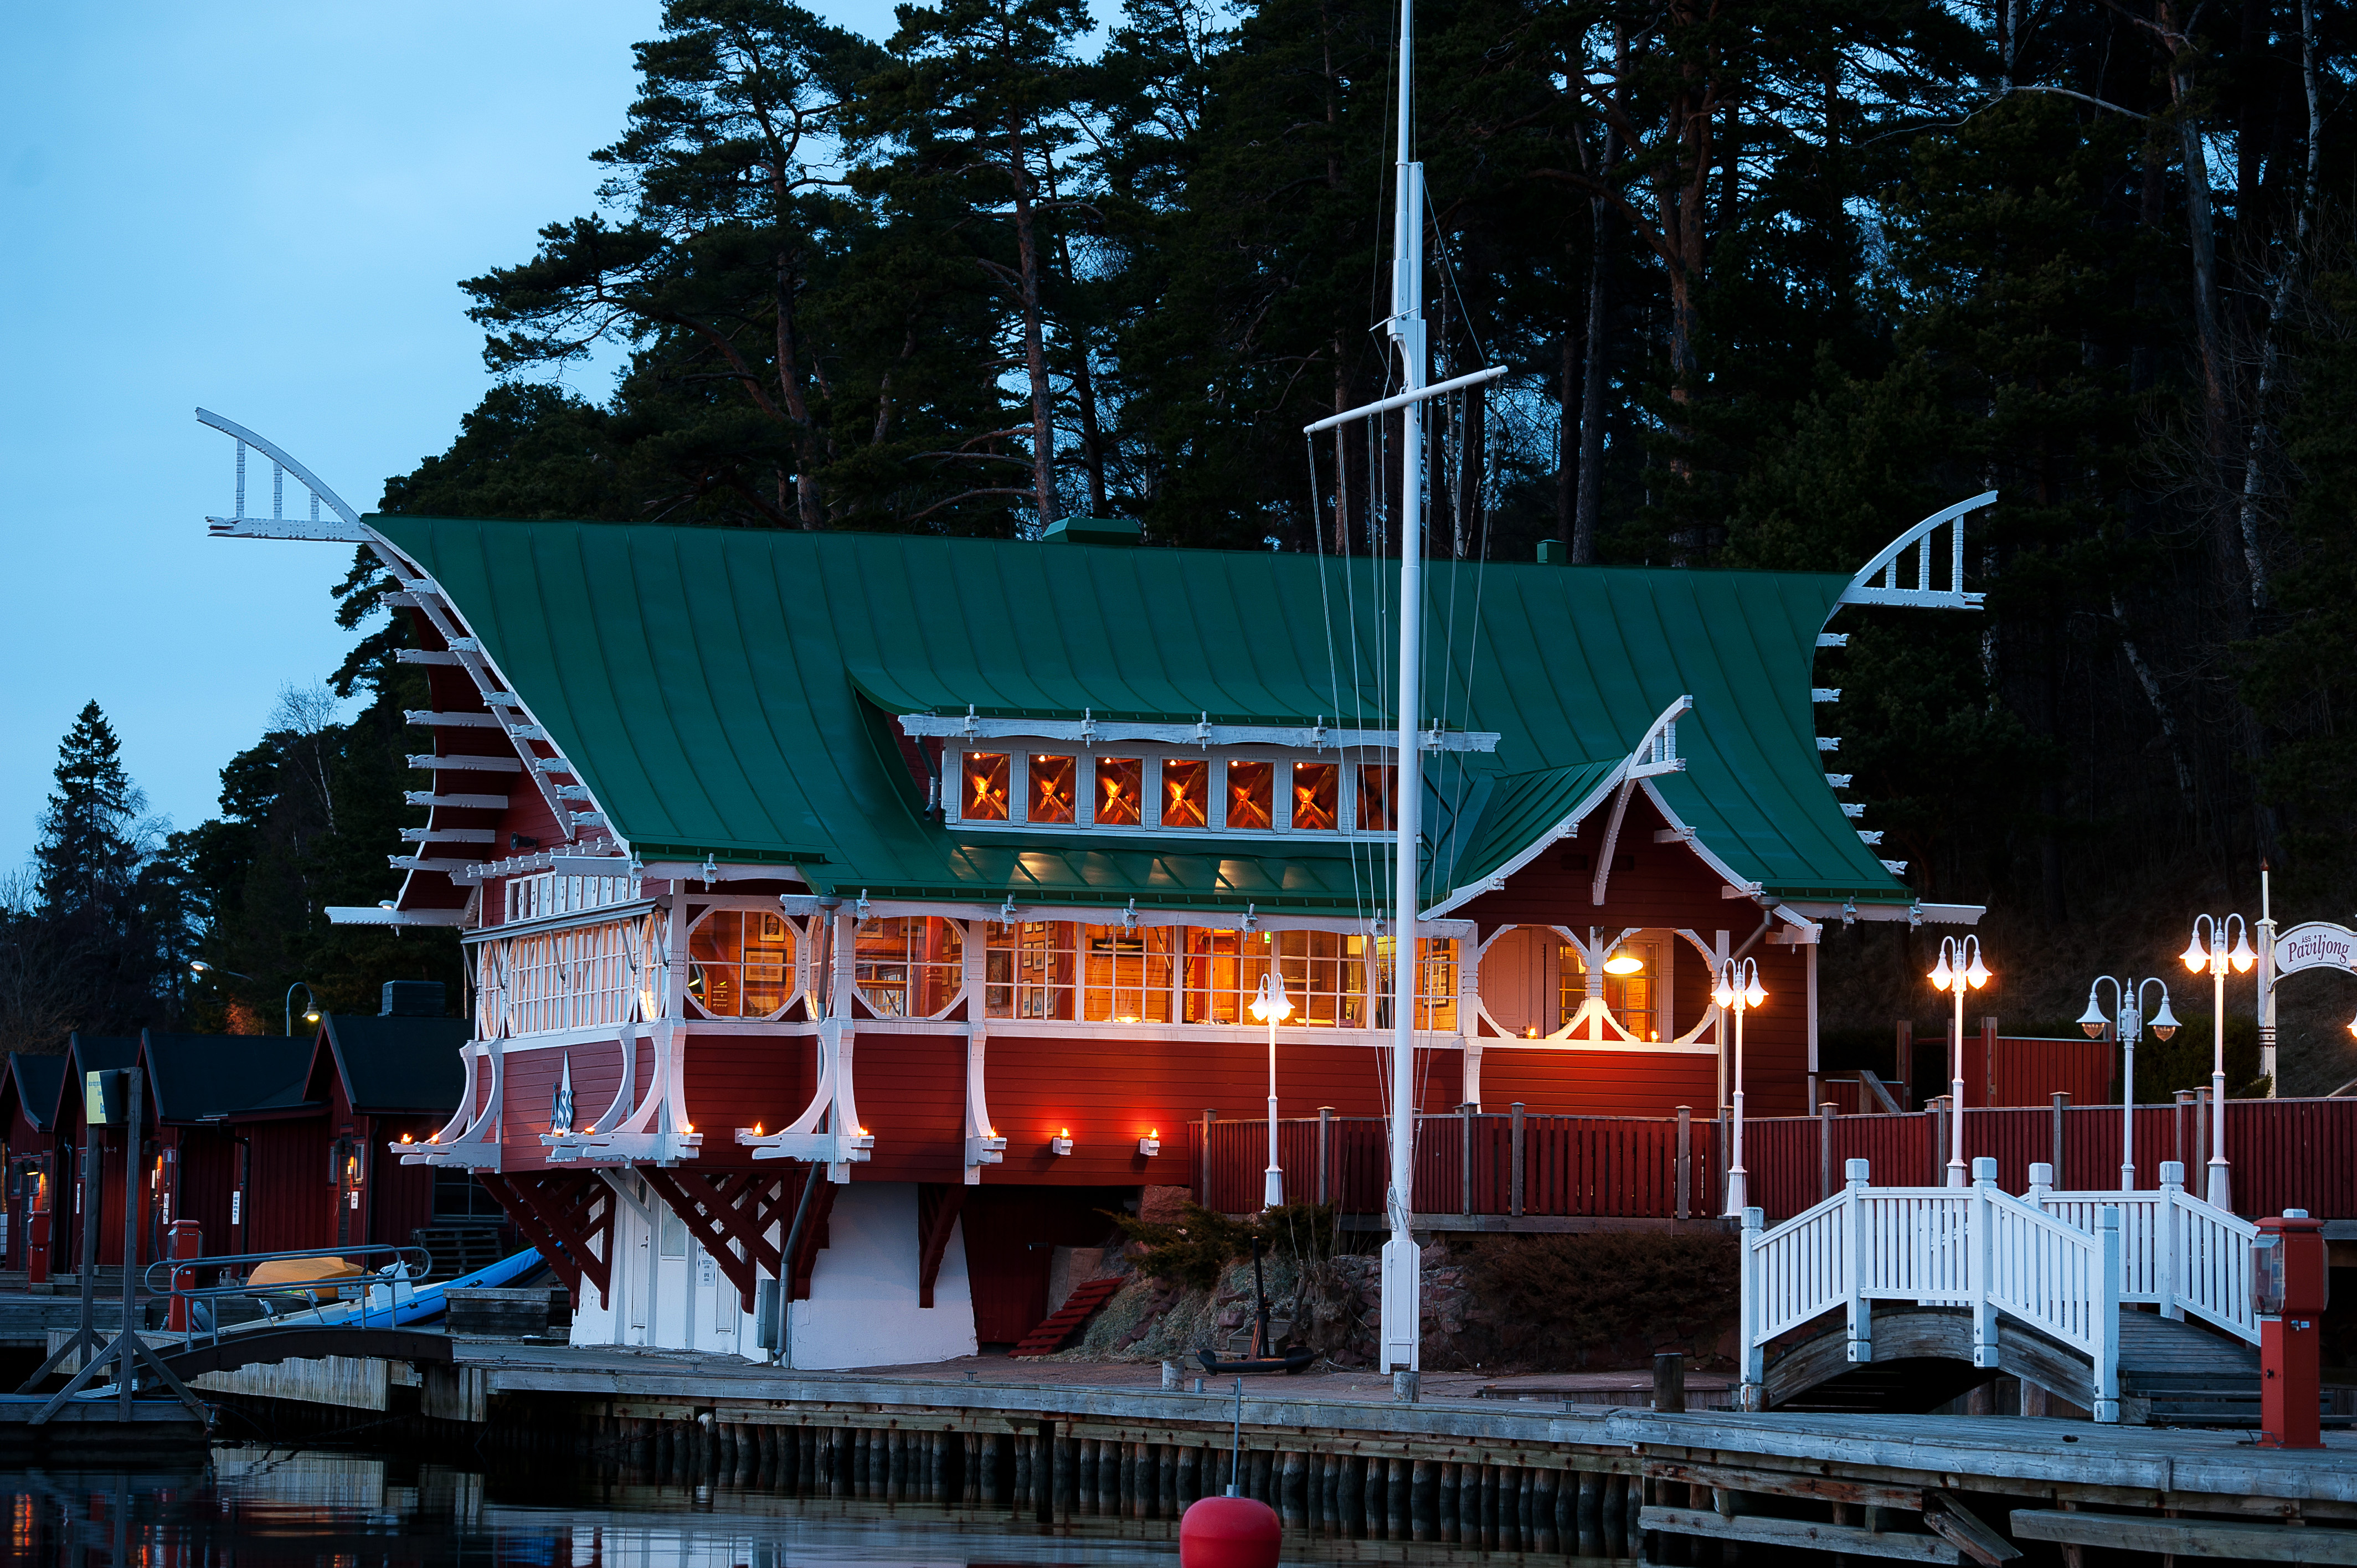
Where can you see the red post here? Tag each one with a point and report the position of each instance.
(2288, 1289)
(36, 1247)
(181, 1241)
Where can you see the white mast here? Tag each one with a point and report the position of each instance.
(1402, 1282)
(1397, 1346)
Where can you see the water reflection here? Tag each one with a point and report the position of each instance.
(261, 1506)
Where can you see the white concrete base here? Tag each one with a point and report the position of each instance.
(863, 1311)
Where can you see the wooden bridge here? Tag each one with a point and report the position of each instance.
(1938, 1288)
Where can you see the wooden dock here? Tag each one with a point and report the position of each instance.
(1334, 1452)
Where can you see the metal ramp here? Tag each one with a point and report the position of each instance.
(1939, 1289)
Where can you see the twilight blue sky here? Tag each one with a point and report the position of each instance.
(262, 207)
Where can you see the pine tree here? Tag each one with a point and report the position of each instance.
(87, 857)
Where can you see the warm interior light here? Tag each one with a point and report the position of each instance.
(2243, 957)
(1064, 1133)
(1624, 963)
(2352, 1025)
(2193, 955)
(1155, 1133)
(864, 1134)
(1530, 1031)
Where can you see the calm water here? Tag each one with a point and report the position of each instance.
(255, 1505)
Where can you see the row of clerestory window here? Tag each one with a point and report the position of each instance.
(1172, 793)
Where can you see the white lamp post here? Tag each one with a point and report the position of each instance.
(2128, 1020)
(2215, 955)
(1960, 970)
(1271, 1006)
(1739, 989)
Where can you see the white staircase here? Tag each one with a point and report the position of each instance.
(2062, 1263)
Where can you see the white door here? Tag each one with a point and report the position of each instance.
(638, 1278)
(672, 1276)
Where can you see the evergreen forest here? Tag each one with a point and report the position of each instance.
(1771, 281)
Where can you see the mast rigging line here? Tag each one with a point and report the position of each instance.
(1401, 400)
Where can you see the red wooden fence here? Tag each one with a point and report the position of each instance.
(2282, 1154)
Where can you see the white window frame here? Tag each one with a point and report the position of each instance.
(1151, 757)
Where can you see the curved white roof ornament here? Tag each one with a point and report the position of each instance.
(1879, 583)
(343, 528)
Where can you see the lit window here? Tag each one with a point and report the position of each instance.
(1251, 789)
(768, 962)
(1125, 978)
(1325, 975)
(1029, 971)
(1628, 996)
(1436, 982)
(1120, 781)
(1186, 787)
(715, 949)
(1222, 975)
(740, 963)
(985, 787)
(1051, 789)
(1378, 783)
(1316, 786)
(910, 966)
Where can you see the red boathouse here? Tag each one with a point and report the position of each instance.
(946, 871)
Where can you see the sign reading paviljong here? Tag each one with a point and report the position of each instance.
(2315, 945)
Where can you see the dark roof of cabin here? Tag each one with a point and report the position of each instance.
(199, 1077)
(37, 1079)
(393, 1065)
(732, 692)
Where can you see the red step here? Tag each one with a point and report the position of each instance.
(1069, 1318)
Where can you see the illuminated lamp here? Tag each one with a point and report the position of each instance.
(1151, 1144)
(1062, 1143)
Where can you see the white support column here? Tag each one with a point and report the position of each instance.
(842, 1038)
(1856, 1269)
(1753, 1395)
(2106, 1325)
(2167, 1231)
(1981, 1260)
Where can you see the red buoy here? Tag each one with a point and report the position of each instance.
(1229, 1532)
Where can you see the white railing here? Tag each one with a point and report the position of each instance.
(1975, 1247)
(2176, 1252)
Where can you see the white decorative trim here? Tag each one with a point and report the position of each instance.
(1091, 733)
(1864, 590)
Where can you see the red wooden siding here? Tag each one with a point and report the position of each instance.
(1011, 1234)
(290, 1201)
(911, 1093)
(1665, 886)
(401, 1197)
(1113, 1093)
(1555, 1081)
(206, 1165)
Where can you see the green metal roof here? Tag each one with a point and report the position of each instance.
(730, 693)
